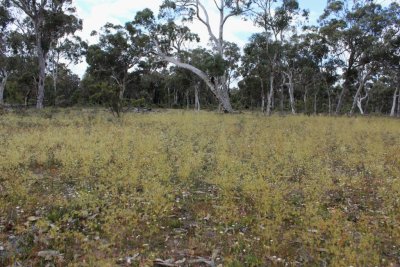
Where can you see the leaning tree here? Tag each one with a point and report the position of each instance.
(168, 38)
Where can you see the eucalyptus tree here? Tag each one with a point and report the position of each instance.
(232, 57)
(275, 20)
(50, 20)
(322, 67)
(166, 42)
(255, 61)
(354, 33)
(390, 49)
(5, 60)
(119, 50)
(62, 54)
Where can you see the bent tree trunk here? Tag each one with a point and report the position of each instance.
(218, 87)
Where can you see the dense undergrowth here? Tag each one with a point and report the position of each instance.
(81, 188)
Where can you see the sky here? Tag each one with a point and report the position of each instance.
(95, 13)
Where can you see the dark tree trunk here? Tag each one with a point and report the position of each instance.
(270, 93)
(2, 87)
(262, 96)
(315, 103)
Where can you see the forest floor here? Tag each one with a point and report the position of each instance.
(175, 188)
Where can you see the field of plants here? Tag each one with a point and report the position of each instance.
(82, 188)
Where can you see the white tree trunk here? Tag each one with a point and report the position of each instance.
(395, 96)
(357, 101)
(359, 105)
(270, 93)
(196, 97)
(42, 70)
(218, 88)
(289, 75)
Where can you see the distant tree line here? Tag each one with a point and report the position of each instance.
(348, 63)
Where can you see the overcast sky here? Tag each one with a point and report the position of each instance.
(95, 13)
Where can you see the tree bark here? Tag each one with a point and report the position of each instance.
(347, 82)
(315, 103)
(329, 103)
(3, 86)
(357, 100)
(55, 76)
(292, 101)
(282, 99)
(398, 106)
(196, 97)
(187, 99)
(41, 54)
(175, 97)
(394, 103)
(56, 60)
(169, 97)
(359, 104)
(122, 90)
(270, 93)
(262, 96)
(289, 75)
(42, 73)
(305, 99)
(340, 100)
(26, 98)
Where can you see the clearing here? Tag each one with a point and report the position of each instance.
(82, 188)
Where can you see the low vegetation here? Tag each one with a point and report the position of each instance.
(82, 188)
